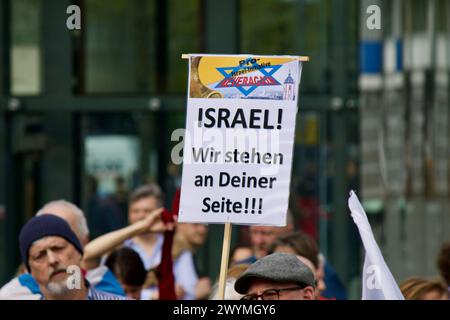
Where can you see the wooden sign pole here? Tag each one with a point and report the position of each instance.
(224, 261)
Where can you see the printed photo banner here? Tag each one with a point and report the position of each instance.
(240, 126)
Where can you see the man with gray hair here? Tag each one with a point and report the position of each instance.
(25, 287)
(73, 216)
(52, 254)
(278, 276)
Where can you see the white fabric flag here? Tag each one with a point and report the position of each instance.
(377, 280)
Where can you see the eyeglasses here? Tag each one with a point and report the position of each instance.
(269, 294)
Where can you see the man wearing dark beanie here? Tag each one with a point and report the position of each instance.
(52, 254)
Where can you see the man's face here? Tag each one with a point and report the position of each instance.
(49, 259)
(141, 208)
(194, 233)
(261, 239)
(258, 286)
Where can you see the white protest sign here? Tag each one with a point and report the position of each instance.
(240, 127)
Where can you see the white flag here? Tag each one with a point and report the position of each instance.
(377, 280)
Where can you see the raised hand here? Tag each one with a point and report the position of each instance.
(154, 222)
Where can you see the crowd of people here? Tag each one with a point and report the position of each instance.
(280, 262)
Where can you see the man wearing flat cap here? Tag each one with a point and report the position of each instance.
(48, 246)
(279, 276)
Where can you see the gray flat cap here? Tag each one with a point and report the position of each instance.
(278, 267)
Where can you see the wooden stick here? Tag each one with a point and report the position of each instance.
(224, 262)
(300, 58)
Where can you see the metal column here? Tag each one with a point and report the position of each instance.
(59, 158)
(340, 217)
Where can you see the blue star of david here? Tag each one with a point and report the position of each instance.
(227, 71)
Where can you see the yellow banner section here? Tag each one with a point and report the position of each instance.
(209, 63)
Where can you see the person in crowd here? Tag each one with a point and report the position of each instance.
(120, 200)
(417, 288)
(299, 243)
(102, 211)
(240, 253)
(233, 273)
(278, 276)
(127, 266)
(144, 200)
(48, 248)
(305, 246)
(443, 263)
(145, 208)
(262, 237)
(334, 289)
(24, 286)
(191, 237)
(329, 286)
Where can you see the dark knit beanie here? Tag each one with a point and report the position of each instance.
(43, 226)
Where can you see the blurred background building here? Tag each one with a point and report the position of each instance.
(87, 115)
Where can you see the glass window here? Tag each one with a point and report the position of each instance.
(26, 47)
(121, 152)
(289, 27)
(123, 54)
(184, 37)
(120, 46)
(112, 154)
(268, 27)
(442, 16)
(420, 11)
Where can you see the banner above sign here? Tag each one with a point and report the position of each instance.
(238, 77)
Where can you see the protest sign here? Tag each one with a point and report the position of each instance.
(240, 126)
